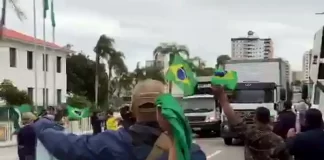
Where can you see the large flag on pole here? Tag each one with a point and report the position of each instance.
(53, 14)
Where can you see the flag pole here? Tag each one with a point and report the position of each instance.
(45, 58)
(35, 56)
(53, 39)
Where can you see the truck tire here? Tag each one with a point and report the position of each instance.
(228, 141)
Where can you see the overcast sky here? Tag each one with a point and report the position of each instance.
(205, 26)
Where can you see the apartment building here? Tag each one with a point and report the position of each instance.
(252, 47)
(307, 65)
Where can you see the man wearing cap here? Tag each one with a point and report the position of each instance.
(142, 141)
(26, 138)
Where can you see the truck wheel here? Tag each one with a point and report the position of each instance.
(228, 141)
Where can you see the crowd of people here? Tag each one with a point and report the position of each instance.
(137, 134)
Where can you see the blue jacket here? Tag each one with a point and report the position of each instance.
(112, 145)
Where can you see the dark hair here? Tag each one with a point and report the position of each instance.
(288, 105)
(262, 115)
(313, 119)
(110, 112)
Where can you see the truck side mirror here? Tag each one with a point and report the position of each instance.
(304, 92)
(283, 94)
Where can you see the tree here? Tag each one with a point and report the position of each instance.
(12, 95)
(297, 83)
(103, 49)
(154, 73)
(116, 63)
(20, 14)
(208, 71)
(221, 60)
(81, 72)
(78, 101)
(170, 49)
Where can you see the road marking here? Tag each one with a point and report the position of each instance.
(213, 154)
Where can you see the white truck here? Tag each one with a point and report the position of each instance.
(315, 89)
(201, 109)
(260, 83)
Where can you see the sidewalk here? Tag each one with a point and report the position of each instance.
(14, 141)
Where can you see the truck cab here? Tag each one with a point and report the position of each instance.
(202, 111)
(245, 99)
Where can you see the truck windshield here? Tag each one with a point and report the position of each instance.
(192, 105)
(251, 96)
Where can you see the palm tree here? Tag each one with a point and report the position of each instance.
(170, 49)
(20, 14)
(221, 60)
(154, 73)
(103, 49)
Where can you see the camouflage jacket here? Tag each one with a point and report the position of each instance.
(261, 143)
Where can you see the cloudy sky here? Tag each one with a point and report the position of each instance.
(205, 26)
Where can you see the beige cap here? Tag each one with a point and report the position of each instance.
(28, 117)
(146, 92)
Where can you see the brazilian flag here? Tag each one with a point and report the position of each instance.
(180, 73)
(77, 113)
(228, 79)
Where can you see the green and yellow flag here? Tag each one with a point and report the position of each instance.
(180, 73)
(228, 79)
(77, 113)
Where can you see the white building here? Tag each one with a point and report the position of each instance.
(252, 47)
(297, 75)
(307, 65)
(288, 72)
(24, 64)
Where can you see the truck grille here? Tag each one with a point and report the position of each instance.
(196, 118)
(246, 115)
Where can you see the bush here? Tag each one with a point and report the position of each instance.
(12, 95)
(78, 101)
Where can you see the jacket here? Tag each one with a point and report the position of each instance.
(286, 120)
(260, 142)
(111, 144)
(112, 123)
(26, 139)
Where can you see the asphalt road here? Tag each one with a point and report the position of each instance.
(213, 147)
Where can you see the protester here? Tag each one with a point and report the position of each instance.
(144, 140)
(259, 141)
(286, 120)
(127, 116)
(112, 121)
(26, 138)
(308, 145)
(95, 123)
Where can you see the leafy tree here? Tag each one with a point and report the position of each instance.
(81, 72)
(170, 49)
(78, 101)
(103, 49)
(221, 60)
(12, 95)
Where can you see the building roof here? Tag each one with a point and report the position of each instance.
(14, 35)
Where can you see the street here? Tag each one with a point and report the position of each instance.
(213, 147)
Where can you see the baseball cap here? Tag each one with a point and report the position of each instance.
(146, 92)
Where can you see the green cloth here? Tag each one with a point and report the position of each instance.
(45, 8)
(228, 79)
(76, 113)
(53, 14)
(174, 114)
(180, 73)
(15, 114)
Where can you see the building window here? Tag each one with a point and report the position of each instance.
(58, 64)
(29, 60)
(45, 96)
(30, 92)
(45, 62)
(13, 57)
(59, 96)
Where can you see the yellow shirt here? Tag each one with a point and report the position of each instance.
(112, 123)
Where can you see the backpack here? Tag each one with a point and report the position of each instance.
(148, 143)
